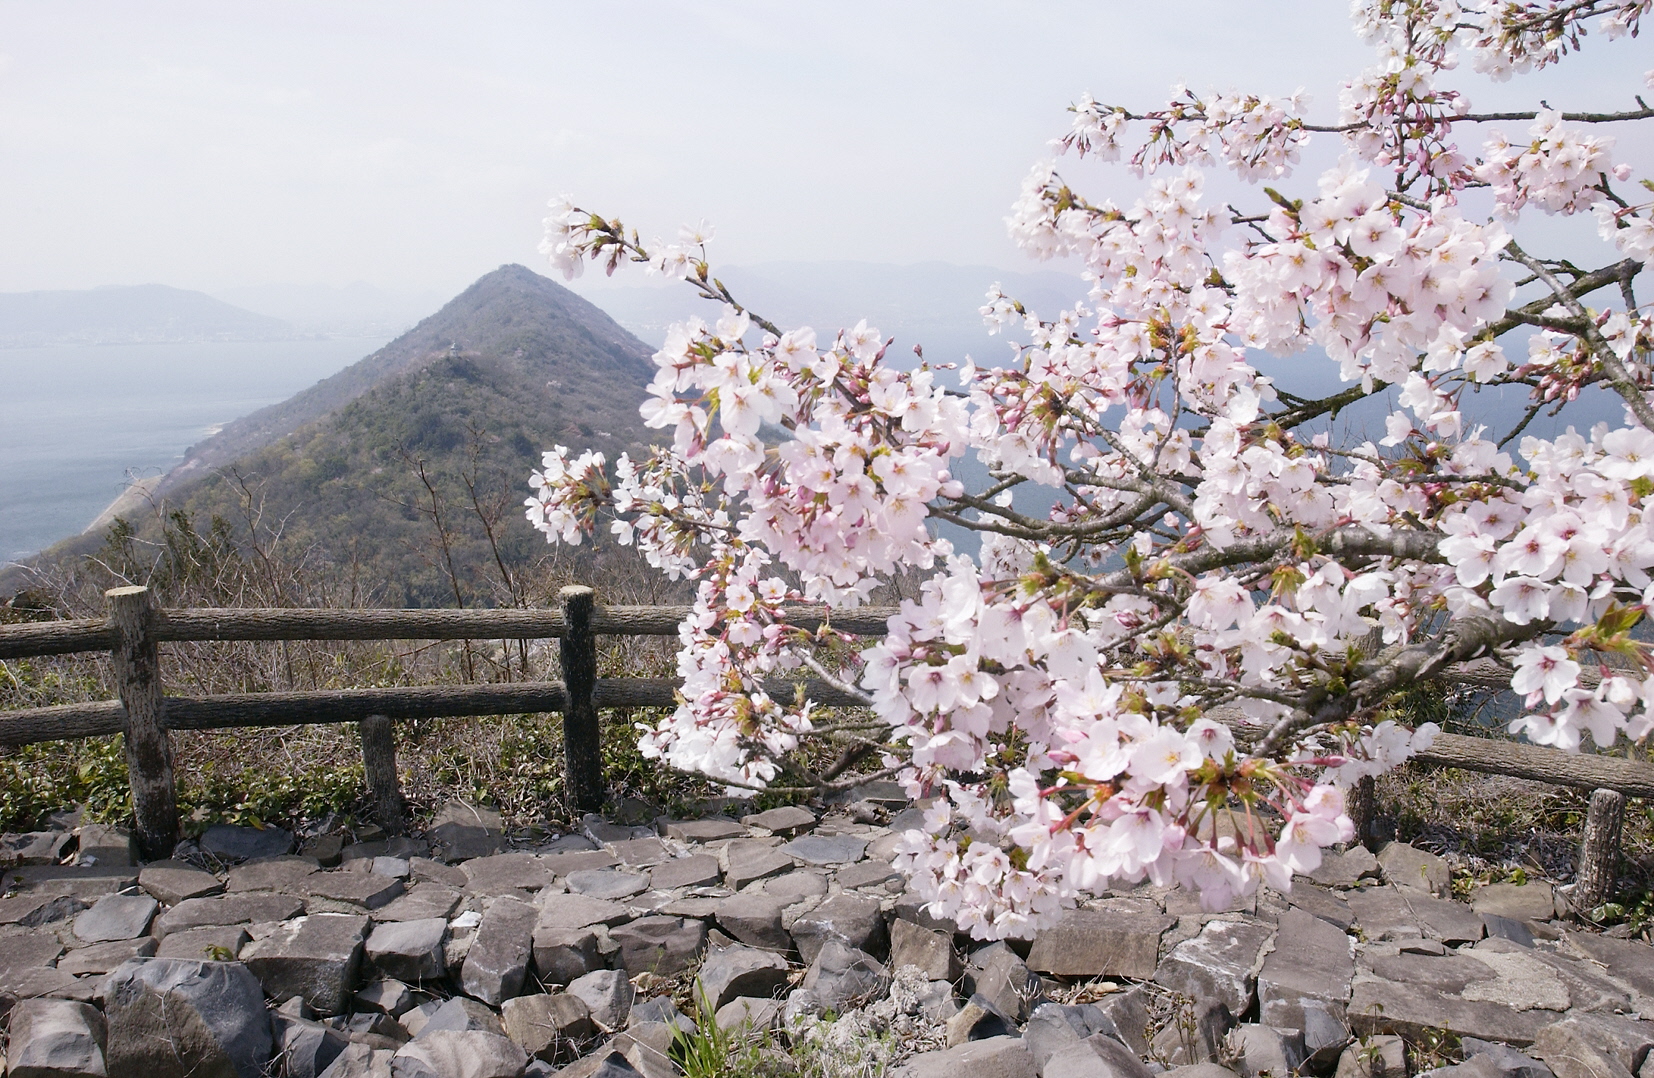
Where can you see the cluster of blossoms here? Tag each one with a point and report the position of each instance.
(1178, 670)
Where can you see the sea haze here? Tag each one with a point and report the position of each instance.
(79, 422)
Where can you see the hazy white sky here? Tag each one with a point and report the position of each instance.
(413, 145)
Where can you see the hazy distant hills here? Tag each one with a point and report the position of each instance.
(353, 310)
(473, 395)
(139, 314)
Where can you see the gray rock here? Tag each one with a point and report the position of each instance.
(1630, 961)
(1383, 914)
(387, 995)
(101, 845)
(1502, 1061)
(1263, 1050)
(564, 862)
(1443, 919)
(27, 952)
(746, 1014)
(287, 874)
(409, 950)
(826, 849)
(116, 917)
(33, 909)
(171, 1018)
(1322, 903)
(174, 881)
(452, 1053)
(1098, 1056)
(450, 1015)
(607, 995)
(844, 978)
(1593, 1046)
(700, 870)
(1344, 870)
(305, 1048)
(867, 874)
(1100, 943)
(1216, 966)
(421, 901)
(316, 957)
(786, 820)
(396, 867)
(1519, 902)
(507, 874)
(365, 889)
(229, 843)
(792, 887)
(464, 831)
(1211, 1070)
(237, 909)
(855, 919)
(55, 1038)
(561, 955)
(995, 1057)
(1129, 1012)
(978, 1020)
(660, 945)
(747, 860)
(755, 919)
(604, 1063)
(214, 943)
(713, 829)
(1204, 1041)
(1383, 1056)
(607, 883)
(501, 950)
(1505, 928)
(103, 957)
(997, 974)
(928, 950)
(1441, 973)
(547, 1026)
(1311, 960)
(1054, 1028)
(1414, 1010)
(559, 911)
(1404, 866)
(641, 852)
(361, 1061)
(729, 972)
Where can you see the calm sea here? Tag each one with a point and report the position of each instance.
(78, 422)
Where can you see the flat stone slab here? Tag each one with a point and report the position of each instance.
(214, 943)
(33, 847)
(699, 870)
(659, 945)
(507, 873)
(230, 843)
(116, 917)
(1409, 1010)
(1100, 943)
(796, 886)
(746, 860)
(714, 829)
(290, 874)
(1405, 866)
(579, 911)
(1216, 966)
(1631, 961)
(567, 861)
(1345, 869)
(421, 901)
(316, 957)
(497, 963)
(641, 852)
(1383, 913)
(731, 972)
(409, 950)
(786, 820)
(1445, 920)
(1312, 959)
(173, 882)
(35, 908)
(27, 952)
(84, 881)
(1519, 902)
(867, 874)
(366, 889)
(253, 907)
(826, 850)
(103, 957)
(607, 883)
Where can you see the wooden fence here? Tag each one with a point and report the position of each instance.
(135, 627)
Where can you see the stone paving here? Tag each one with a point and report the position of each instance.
(453, 956)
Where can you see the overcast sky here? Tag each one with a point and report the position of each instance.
(413, 145)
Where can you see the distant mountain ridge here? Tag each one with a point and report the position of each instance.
(445, 421)
(136, 314)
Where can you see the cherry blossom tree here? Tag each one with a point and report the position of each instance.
(1179, 670)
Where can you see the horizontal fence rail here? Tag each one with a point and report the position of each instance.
(135, 626)
(229, 624)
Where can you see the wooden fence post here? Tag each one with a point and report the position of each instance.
(582, 752)
(148, 747)
(1599, 850)
(390, 808)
